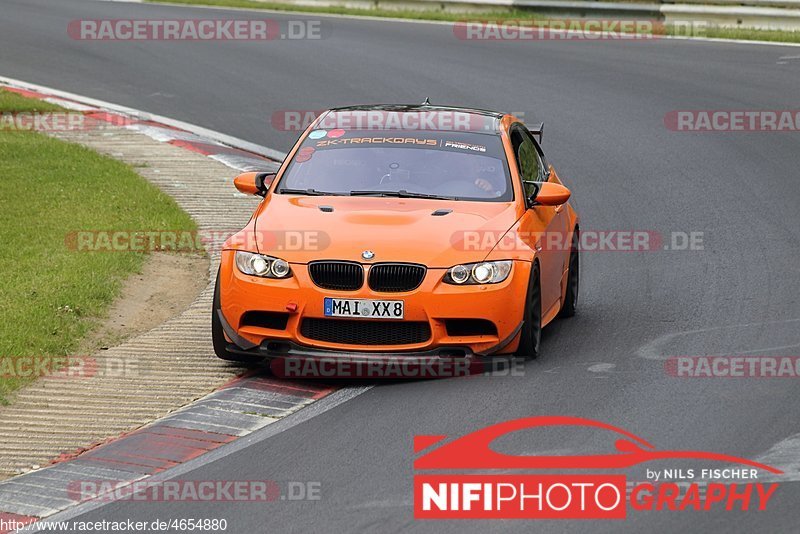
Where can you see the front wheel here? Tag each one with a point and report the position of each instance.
(573, 275)
(531, 333)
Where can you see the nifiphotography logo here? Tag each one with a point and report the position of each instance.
(512, 493)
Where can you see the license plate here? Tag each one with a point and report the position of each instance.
(364, 308)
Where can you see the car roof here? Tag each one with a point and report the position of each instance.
(419, 107)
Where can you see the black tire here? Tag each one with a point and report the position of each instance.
(218, 335)
(573, 279)
(531, 334)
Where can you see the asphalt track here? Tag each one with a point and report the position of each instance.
(603, 104)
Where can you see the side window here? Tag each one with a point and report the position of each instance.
(528, 160)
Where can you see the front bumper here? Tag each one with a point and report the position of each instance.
(432, 302)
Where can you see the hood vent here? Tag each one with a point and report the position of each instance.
(441, 212)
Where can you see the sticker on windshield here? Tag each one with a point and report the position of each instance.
(464, 146)
(317, 134)
(376, 141)
(304, 154)
(338, 132)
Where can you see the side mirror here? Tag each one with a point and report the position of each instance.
(254, 183)
(550, 194)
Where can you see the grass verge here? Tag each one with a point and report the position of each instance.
(784, 36)
(52, 296)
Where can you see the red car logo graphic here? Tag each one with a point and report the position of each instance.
(473, 451)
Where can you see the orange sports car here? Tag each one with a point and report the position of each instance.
(414, 231)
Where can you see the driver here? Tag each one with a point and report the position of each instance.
(490, 179)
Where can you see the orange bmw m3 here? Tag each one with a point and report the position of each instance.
(410, 231)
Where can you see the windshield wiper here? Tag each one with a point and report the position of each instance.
(400, 194)
(310, 192)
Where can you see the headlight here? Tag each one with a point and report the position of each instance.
(280, 268)
(486, 272)
(260, 265)
(459, 274)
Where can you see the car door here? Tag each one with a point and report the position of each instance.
(543, 228)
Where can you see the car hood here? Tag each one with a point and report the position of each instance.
(301, 229)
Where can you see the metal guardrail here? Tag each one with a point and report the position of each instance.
(734, 16)
(760, 14)
(789, 4)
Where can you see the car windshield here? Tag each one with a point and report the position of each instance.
(440, 165)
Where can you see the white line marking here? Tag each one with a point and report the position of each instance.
(193, 128)
(653, 350)
(785, 455)
(601, 368)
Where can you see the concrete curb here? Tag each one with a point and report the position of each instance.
(241, 407)
(83, 103)
(74, 421)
